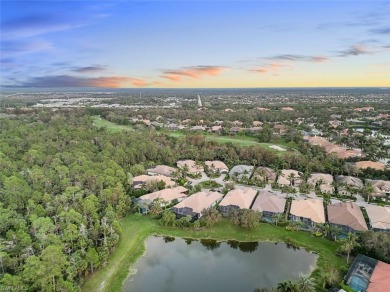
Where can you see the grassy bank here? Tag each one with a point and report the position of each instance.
(135, 231)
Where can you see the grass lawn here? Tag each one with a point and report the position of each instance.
(111, 127)
(238, 140)
(135, 231)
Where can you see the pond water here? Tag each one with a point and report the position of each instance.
(175, 264)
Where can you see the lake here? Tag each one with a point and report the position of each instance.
(175, 264)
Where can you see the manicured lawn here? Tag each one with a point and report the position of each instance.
(135, 231)
(111, 127)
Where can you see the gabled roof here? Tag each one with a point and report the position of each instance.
(310, 208)
(348, 214)
(379, 216)
(241, 198)
(166, 194)
(200, 201)
(269, 202)
(380, 280)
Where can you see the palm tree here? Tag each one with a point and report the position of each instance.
(285, 286)
(368, 190)
(291, 178)
(211, 216)
(277, 217)
(305, 283)
(349, 244)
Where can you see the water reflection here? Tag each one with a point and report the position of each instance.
(210, 244)
(175, 264)
(243, 246)
(168, 239)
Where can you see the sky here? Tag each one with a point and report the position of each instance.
(194, 44)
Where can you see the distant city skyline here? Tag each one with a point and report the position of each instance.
(186, 44)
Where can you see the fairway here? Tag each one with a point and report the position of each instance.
(136, 230)
(111, 127)
(242, 141)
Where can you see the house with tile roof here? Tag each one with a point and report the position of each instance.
(195, 204)
(323, 181)
(348, 216)
(237, 199)
(309, 212)
(379, 217)
(269, 204)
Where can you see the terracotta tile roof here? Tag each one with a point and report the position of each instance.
(369, 164)
(283, 177)
(349, 180)
(310, 208)
(348, 214)
(241, 198)
(192, 168)
(379, 216)
(380, 278)
(268, 173)
(381, 187)
(153, 178)
(327, 179)
(216, 164)
(166, 194)
(267, 201)
(241, 170)
(200, 201)
(163, 170)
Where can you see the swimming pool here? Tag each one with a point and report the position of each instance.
(358, 283)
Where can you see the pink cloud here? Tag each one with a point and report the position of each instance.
(195, 72)
(270, 68)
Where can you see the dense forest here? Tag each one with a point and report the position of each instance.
(64, 188)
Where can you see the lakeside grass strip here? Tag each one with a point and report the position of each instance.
(135, 231)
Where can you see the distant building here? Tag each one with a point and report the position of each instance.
(199, 101)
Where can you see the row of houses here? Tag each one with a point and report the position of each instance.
(346, 215)
(324, 182)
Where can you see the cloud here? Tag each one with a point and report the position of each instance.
(90, 69)
(73, 81)
(293, 58)
(270, 68)
(34, 25)
(383, 30)
(354, 50)
(12, 47)
(195, 72)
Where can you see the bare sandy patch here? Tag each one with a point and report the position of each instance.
(276, 147)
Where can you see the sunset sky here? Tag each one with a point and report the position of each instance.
(199, 44)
